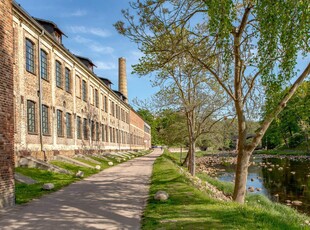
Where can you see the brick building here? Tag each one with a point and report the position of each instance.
(6, 106)
(60, 105)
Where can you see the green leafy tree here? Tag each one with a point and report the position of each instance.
(242, 44)
(292, 122)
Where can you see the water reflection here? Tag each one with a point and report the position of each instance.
(281, 179)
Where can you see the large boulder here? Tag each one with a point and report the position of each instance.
(161, 195)
(79, 174)
(23, 162)
(48, 186)
(296, 202)
(98, 167)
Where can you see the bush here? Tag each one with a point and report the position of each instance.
(296, 140)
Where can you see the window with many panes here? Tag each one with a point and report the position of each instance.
(105, 104)
(59, 123)
(67, 80)
(78, 127)
(106, 133)
(45, 126)
(111, 136)
(85, 130)
(96, 98)
(31, 116)
(58, 74)
(69, 125)
(92, 130)
(29, 56)
(97, 131)
(44, 73)
(102, 132)
(84, 90)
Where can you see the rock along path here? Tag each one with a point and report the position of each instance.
(111, 199)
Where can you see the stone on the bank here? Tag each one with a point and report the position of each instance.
(79, 174)
(48, 186)
(98, 167)
(296, 202)
(161, 195)
(110, 163)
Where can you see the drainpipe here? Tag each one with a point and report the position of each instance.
(40, 96)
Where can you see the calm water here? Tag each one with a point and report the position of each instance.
(290, 183)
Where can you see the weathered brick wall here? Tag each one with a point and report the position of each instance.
(6, 105)
(136, 131)
(56, 98)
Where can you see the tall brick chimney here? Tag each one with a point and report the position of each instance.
(6, 105)
(122, 78)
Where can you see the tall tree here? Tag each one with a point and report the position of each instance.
(243, 44)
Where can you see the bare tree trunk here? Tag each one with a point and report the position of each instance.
(242, 158)
(185, 162)
(241, 176)
(192, 163)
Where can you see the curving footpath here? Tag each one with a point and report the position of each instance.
(111, 199)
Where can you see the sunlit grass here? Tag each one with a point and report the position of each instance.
(189, 208)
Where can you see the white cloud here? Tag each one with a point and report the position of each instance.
(92, 30)
(101, 49)
(105, 65)
(76, 13)
(94, 46)
(79, 13)
(82, 40)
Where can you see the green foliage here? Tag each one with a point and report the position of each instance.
(153, 122)
(291, 126)
(296, 140)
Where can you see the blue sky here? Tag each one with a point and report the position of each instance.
(90, 31)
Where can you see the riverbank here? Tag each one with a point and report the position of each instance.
(188, 207)
(282, 152)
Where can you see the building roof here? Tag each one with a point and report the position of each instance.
(105, 80)
(40, 20)
(85, 59)
(120, 94)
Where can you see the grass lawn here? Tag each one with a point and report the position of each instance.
(25, 193)
(189, 208)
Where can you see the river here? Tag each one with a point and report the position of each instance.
(284, 179)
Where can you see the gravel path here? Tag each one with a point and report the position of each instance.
(111, 199)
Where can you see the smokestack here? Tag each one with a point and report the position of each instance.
(122, 78)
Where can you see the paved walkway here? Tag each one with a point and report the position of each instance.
(111, 199)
